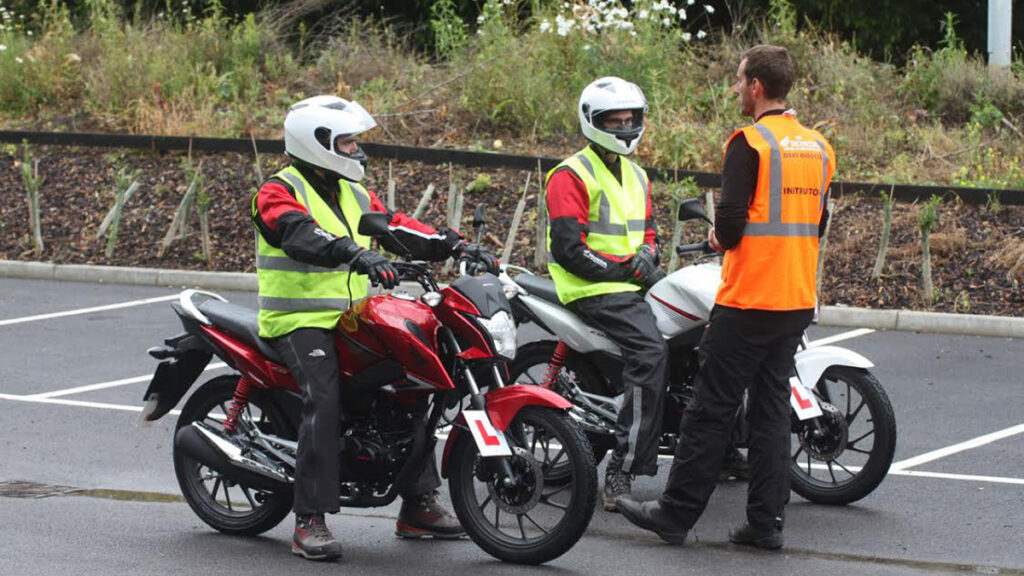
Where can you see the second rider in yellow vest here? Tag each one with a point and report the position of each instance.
(602, 246)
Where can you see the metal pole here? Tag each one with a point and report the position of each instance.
(1000, 25)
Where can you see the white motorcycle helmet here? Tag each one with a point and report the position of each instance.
(313, 125)
(610, 94)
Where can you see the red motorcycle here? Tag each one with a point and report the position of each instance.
(406, 362)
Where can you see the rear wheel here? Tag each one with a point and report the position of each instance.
(848, 453)
(228, 506)
(527, 521)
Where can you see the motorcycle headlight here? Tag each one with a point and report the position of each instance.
(503, 331)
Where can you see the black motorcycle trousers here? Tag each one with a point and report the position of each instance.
(629, 322)
(310, 355)
(742, 350)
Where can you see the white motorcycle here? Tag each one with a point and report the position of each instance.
(844, 430)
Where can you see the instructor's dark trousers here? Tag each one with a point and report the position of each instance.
(741, 350)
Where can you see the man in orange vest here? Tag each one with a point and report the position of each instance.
(770, 214)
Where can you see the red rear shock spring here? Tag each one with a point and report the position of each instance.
(238, 404)
(555, 365)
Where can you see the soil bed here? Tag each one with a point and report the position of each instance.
(977, 251)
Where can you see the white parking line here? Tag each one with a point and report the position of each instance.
(949, 450)
(87, 310)
(77, 403)
(968, 477)
(840, 337)
(111, 384)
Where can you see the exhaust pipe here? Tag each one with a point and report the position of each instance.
(214, 450)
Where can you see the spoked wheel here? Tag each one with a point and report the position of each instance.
(227, 506)
(526, 521)
(531, 366)
(847, 455)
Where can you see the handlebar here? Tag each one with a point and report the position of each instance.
(704, 247)
(417, 272)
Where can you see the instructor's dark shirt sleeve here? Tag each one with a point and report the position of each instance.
(739, 180)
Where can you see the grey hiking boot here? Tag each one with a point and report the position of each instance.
(313, 540)
(616, 483)
(425, 516)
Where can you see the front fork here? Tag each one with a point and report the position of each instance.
(477, 402)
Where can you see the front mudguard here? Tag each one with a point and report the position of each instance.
(811, 363)
(502, 406)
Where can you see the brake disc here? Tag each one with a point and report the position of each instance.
(525, 493)
(834, 433)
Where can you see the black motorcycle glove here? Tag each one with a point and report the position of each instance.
(477, 253)
(376, 267)
(452, 240)
(643, 267)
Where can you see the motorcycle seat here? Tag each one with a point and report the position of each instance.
(543, 288)
(241, 322)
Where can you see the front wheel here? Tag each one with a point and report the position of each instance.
(527, 520)
(843, 455)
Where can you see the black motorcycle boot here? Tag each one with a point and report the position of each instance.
(651, 515)
(313, 540)
(425, 516)
(763, 538)
(734, 466)
(616, 483)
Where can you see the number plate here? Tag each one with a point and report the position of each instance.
(489, 440)
(802, 400)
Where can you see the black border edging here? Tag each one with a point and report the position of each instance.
(902, 192)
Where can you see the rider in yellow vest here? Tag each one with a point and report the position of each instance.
(769, 217)
(311, 263)
(602, 246)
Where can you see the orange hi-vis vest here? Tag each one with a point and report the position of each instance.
(774, 265)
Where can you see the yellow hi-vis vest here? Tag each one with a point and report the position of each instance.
(296, 295)
(616, 224)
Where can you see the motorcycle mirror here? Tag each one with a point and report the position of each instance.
(373, 224)
(690, 209)
(480, 216)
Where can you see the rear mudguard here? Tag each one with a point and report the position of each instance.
(170, 382)
(811, 363)
(502, 406)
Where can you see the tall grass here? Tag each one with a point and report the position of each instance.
(515, 74)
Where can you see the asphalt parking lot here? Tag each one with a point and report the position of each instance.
(74, 370)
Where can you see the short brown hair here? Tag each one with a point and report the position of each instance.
(773, 66)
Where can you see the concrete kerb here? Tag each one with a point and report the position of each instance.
(902, 320)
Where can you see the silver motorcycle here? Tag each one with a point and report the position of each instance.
(844, 429)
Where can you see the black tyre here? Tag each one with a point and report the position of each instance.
(229, 507)
(531, 521)
(530, 366)
(851, 455)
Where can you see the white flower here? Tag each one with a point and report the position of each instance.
(19, 60)
(480, 19)
(690, 2)
(666, 22)
(682, 14)
(701, 34)
(3, 47)
(643, 14)
(709, 8)
(687, 36)
(545, 25)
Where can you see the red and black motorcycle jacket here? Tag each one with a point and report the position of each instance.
(285, 223)
(568, 213)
